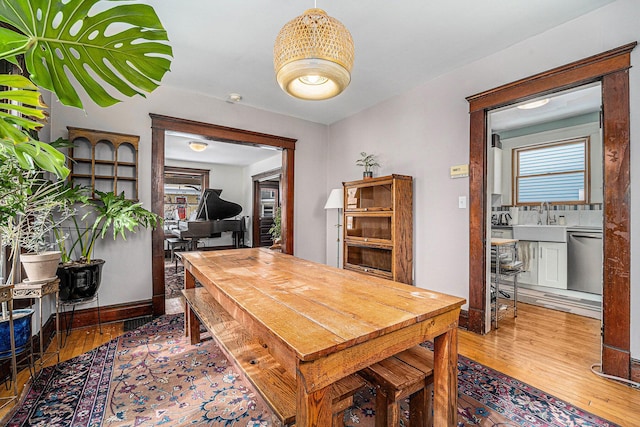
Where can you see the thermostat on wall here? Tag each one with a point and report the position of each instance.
(460, 171)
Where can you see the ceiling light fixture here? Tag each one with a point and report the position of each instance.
(198, 145)
(533, 104)
(313, 56)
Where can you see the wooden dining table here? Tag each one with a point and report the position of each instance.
(322, 323)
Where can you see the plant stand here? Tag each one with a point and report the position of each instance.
(39, 291)
(6, 296)
(73, 304)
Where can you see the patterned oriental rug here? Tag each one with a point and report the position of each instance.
(173, 279)
(151, 376)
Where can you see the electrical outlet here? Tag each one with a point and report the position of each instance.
(462, 202)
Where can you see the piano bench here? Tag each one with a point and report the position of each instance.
(175, 242)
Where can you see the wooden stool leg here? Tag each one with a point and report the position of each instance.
(194, 326)
(393, 413)
(381, 408)
(418, 404)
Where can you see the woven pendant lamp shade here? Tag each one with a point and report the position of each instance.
(313, 56)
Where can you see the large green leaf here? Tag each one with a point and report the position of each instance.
(22, 108)
(123, 46)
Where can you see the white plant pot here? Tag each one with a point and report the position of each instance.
(40, 267)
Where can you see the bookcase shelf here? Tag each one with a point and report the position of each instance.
(378, 227)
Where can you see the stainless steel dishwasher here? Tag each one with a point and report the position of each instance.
(584, 263)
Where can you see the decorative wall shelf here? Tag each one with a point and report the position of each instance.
(104, 161)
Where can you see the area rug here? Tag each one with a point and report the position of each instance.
(173, 279)
(151, 377)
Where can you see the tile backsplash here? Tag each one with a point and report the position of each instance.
(573, 214)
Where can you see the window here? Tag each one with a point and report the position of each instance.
(555, 172)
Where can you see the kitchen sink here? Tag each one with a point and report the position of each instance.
(540, 233)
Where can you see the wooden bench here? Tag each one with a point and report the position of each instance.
(276, 386)
(407, 374)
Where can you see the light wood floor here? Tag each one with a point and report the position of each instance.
(547, 349)
(553, 351)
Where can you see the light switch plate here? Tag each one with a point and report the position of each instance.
(462, 202)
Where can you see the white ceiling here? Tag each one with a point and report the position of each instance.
(562, 105)
(222, 47)
(226, 46)
(222, 153)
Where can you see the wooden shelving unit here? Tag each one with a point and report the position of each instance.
(378, 227)
(104, 161)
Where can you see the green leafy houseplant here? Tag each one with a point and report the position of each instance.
(121, 46)
(108, 212)
(368, 161)
(31, 207)
(80, 277)
(276, 227)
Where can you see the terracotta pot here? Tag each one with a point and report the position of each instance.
(40, 267)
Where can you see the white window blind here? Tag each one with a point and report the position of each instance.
(554, 172)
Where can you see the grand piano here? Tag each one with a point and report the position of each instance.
(211, 220)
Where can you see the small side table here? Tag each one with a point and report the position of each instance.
(38, 291)
(6, 296)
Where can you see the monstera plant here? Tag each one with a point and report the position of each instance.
(108, 47)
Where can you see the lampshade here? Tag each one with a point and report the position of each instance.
(313, 56)
(335, 200)
(198, 145)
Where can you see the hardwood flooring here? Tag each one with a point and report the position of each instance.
(553, 351)
(548, 349)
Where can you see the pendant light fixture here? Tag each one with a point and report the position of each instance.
(313, 56)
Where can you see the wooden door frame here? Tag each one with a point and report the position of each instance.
(611, 68)
(256, 201)
(160, 124)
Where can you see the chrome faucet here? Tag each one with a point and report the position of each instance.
(545, 206)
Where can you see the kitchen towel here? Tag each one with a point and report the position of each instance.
(524, 254)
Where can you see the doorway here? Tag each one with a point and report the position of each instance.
(182, 190)
(266, 205)
(611, 69)
(544, 184)
(161, 124)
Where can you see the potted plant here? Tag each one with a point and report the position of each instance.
(132, 60)
(276, 228)
(368, 161)
(80, 277)
(31, 207)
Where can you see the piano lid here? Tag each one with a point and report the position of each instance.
(212, 207)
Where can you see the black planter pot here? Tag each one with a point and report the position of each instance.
(79, 282)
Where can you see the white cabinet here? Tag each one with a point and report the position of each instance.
(497, 170)
(552, 264)
(544, 264)
(528, 253)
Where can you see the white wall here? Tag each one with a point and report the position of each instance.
(127, 273)
(426, 130)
